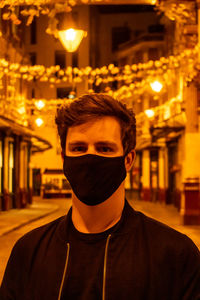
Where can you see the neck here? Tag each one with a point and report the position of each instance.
(98, 218)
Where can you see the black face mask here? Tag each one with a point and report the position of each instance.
(94, 178)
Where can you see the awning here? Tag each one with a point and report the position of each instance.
(165, 132)
(38, 143)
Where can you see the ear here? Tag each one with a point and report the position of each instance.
(129, 160)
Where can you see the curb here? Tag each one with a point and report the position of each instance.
(33, 219)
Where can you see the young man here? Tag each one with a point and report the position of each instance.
(102, 249)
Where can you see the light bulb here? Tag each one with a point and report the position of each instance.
(156, 86)
(150, 113)
(39, 122)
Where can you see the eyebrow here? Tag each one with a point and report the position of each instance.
(77, 143)
(107, 143)
(97, 143)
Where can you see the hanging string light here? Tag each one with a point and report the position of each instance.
(40, 104)
(156, 86)
(131, 77)
(32, 8)
(150, 113)
(39, 122)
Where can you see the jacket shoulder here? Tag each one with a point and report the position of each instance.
(167, 241)
(35, 236)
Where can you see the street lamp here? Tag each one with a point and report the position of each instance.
(71, 38)
(69, 35)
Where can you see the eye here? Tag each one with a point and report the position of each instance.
(78, 149)
(105, 149)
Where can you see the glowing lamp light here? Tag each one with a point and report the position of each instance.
(156, 86)
(71, 38)
(149, 113)
(39, 122)
(21, 110)
(39, 104)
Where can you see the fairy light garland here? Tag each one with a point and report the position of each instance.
(132, 78)
(187, 60)
(180, 11)
(36, 8)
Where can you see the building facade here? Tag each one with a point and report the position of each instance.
(167, 164)
(17, 140)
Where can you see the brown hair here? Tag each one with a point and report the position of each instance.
(91, 106)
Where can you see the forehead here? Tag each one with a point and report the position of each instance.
(103, 128)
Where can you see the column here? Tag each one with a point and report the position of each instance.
(23, 174)
(6, 196)
(146, 192)
(17, 172)
(190, 201)
(162, 175)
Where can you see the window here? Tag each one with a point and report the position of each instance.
(33, 32)
(66, 92)
(123, 61)
(75, 59)
(63, 93)
(36, 182)
(33, 58)
(138, 57)
(4, 25)
(60, 59)
(153, 53)
(120, 35)
(33, 93)
(11, 167)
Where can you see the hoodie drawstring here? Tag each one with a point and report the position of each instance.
(104, 267)
(64, 272)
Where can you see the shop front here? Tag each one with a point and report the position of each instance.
(17, 144)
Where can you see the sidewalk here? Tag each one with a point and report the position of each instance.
(16, 218)
(167, 214)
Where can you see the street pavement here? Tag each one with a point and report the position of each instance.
(16, 218)
(15, 223)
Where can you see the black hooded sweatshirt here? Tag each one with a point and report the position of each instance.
(142, 260)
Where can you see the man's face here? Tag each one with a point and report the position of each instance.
(100, 137)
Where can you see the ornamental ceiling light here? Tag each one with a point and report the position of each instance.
(68, 34)
(71, 38)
